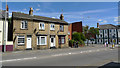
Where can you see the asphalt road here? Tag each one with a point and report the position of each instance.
(86, 56)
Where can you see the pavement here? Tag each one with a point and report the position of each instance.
(92, 55)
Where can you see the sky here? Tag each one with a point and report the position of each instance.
(88, 12)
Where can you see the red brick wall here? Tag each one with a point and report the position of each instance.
(74, 27)
(70, 30)
(77, 27)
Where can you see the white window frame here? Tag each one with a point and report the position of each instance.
(20, 43)
(61, 27)
(40, 40)
(24, 27)
(51, 28)
(42, 28)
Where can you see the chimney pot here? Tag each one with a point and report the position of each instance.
(61, 17)
(97, 25)
(7, 9)
(31, 11)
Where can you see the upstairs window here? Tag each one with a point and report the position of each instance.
(41, 26)
(52, 27)
(61, 28)
(24, 24)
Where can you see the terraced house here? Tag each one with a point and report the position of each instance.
(108, 33)
(38, 32)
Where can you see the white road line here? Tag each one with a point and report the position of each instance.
(18, 59)
(62, 54)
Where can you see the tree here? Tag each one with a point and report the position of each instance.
(85, 29)
(78, 37)
(93, 31)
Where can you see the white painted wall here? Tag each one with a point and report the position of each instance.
(119, 33)
(1, 31)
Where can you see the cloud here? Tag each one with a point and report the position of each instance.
(53, 17)
(37, 9)
(24, 9)
(10, 15)
(100, 20)
(105, 21)
(38, 5)
(115, 19)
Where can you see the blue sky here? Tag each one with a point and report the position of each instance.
(88, 12)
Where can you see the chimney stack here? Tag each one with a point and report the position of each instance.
(31, 11)
(7, 9)
(61, 17)
(97, 25)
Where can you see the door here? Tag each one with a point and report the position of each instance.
(52, 41)
(28, 41)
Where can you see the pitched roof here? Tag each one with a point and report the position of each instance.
(107, 26)
(35, 17)
(118, 26)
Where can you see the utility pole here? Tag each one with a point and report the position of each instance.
(4, 28)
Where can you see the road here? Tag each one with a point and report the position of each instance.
(84, 56)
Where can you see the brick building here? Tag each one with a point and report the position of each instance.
(38, 32)
(74, 27)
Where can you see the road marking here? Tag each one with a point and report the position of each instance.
(18, 59)
(70, 53)
(62, 54)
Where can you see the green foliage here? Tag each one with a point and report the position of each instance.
(78, 37)
(91, 30)
(81, 42)
(85, 29)
(71, 41)
(82, 37)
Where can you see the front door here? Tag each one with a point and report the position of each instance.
(28, 42)
(52, 41)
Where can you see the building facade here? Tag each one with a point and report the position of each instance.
(37, 32)
(8, 45)
(107, 33)
(118, 33)
(74, 27)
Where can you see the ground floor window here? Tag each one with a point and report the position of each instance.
(21, 40)
(61, 39)
(41, 40)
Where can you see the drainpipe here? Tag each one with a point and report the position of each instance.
(48, 35)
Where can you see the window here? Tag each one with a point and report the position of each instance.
(61, 28)
(105, 31)
(101, 31)
(62, 40)
(21, 40)
(114, 30)
(41, 26)
(24, 25)
(41, 40)
(110, 30)
(101, 35)
(52, 27)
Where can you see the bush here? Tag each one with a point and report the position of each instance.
(76, 36)
(71, 41)
(79, 37)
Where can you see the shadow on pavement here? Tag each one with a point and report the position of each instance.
(111, 65)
